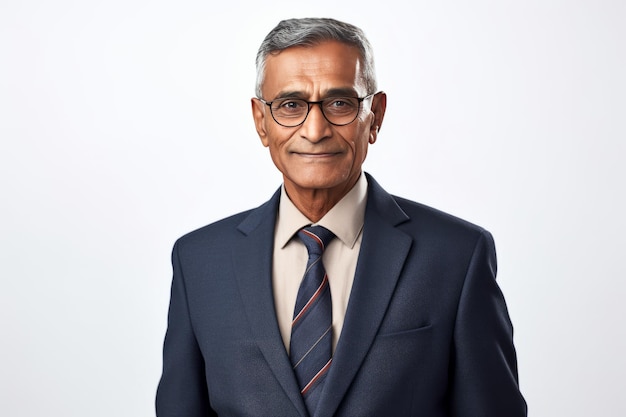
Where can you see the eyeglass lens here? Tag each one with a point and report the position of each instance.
(337, 110)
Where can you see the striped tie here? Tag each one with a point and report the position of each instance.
(311, 329)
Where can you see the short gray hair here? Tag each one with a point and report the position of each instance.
(311, 32)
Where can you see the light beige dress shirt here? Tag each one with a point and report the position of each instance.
(345, 220)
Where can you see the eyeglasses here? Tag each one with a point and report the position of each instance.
(292, 112)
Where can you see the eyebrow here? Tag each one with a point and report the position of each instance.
(333, 92)
(341, 92)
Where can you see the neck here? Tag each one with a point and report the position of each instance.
(315, 203)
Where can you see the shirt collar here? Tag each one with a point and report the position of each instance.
(345, 219)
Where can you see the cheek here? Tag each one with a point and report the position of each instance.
(275, 137)
(278, 146)
(361, 142)
(363, 151)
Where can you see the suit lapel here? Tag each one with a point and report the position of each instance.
(253, 267)
(383, 252)
(377, 273)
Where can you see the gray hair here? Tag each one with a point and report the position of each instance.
(311, 32)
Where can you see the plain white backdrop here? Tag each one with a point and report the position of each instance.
(125, 124)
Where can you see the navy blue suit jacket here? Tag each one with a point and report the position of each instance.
(426, 332)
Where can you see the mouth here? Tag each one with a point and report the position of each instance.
(316, 154)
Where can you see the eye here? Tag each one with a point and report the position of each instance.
(290, 105)
(341, 105)
(338, 102)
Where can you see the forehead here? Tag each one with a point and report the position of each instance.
(313, 70)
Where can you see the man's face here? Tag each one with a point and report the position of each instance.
(318, 155)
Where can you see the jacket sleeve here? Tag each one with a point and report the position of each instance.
(182, 390)
(484, 378)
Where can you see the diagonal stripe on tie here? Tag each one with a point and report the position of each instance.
(311, 330)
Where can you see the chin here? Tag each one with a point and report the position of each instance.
(320, 182)
(315, 185)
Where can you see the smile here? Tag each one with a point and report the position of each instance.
(316, 154)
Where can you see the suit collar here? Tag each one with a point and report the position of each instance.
(262, 215)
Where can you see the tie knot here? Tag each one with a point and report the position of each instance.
(315, 238)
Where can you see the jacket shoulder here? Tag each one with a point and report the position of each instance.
(223, 232)
(218, 228)
(415, 218)
(426, 220)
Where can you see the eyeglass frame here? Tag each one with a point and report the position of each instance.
(311, 103)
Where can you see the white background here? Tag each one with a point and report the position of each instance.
(121, 122)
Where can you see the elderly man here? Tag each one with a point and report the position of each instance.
(334, 298)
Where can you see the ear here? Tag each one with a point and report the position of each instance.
(258, 114)
(379, 105)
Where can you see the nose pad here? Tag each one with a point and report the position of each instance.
(315, 127)
(321, 114)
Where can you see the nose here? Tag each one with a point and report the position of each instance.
(315, 128)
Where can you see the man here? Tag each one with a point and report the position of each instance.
(402, 316)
